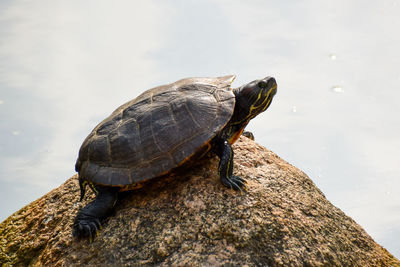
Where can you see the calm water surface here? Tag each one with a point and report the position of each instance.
(66, 66)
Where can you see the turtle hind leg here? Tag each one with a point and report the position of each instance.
(88, 220)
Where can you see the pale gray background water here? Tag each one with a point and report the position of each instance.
(64, 66)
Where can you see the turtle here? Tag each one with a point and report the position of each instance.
(160, 131)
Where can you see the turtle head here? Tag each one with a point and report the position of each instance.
(252, 99)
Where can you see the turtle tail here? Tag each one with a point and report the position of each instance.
(82, 185)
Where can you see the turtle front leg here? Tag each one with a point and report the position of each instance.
(225, 168)
(88, 220)
(248, 134)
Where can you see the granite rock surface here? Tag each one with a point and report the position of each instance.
(191, 219)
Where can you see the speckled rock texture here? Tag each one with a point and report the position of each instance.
(191, 219)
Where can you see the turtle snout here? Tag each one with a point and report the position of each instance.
(271, 84)
(270, 81)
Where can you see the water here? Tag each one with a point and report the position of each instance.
(337, 89)
(64, 66)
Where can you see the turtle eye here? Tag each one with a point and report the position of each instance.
(262, 84)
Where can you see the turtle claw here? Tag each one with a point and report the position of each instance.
(87, 228)
(93, 227)
(239, 182)
(95, 224)
(234, 182)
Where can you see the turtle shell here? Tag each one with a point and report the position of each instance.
(156, 132)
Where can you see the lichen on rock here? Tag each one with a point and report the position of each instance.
(191, 219)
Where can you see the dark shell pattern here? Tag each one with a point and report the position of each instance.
(156, 132)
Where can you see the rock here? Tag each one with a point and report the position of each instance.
(192, 220)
